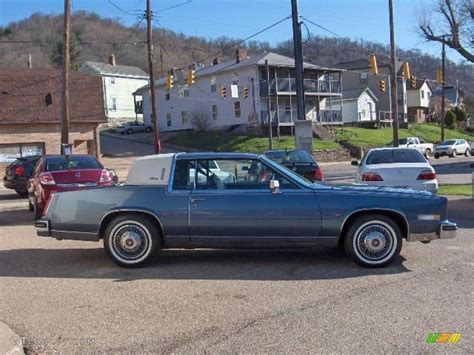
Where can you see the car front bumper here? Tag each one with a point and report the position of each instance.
(446, 230)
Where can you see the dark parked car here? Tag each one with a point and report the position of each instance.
(18, 173)
(300, 161)
(177, 201)
(58, 173)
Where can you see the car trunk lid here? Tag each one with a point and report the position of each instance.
(77, 177)
(398, 174)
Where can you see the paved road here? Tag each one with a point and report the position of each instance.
(124, 147)
(66, 295)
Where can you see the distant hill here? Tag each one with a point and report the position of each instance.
(97, 37)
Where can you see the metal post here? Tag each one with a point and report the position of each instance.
(298, 53)
(443, 108)
(393, 74)
(270, 133)
(65, 79)
(154, 113)
(277, 105)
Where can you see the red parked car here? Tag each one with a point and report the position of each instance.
(58, 173)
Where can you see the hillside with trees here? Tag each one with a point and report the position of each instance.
(95, 38)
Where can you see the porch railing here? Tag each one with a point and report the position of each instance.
(287, 116)
(310, 86)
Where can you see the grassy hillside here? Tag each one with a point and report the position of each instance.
(218, 142)
(364, 137)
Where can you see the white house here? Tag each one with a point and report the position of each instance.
(418, 101)
(359, 105)
(119, 83)
(203, 106)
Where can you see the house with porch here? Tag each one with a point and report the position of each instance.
(248, 94)
(31, 111)
(418, 101)
(119, 82)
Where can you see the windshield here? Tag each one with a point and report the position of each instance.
(72, 162)
(402, 141)
(388, 156)
(451, 142)
(291, 157)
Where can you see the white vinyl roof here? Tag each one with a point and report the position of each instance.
(151, 170)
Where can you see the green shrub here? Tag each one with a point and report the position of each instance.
(450, 119)
(461, 115)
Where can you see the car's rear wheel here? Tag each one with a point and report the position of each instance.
(454, 153)
(467, 153)
(38, 211)
(129, 131)
(22, 193)
(131, 240)
(373, 240)
(148, 129)
(31, 207)
(436, 156)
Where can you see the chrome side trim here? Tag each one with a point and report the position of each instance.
(376, 209)
(42, 228)
(74, 235)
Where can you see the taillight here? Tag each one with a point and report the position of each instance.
(318, 174)
(19, 171)
(47, 179)
(371, 177)
(105, 176)
(427, 175)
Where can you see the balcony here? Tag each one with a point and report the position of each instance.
(311, 86)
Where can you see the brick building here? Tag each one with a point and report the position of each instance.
(30, 112)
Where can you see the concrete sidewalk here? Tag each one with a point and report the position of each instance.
(10, 342)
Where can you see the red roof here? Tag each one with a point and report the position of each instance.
(35, 96)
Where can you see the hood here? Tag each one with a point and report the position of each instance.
(371, 189)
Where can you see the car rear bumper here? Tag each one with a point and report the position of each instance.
(446, 230)
(42, 228)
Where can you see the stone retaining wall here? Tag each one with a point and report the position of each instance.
(332, 155)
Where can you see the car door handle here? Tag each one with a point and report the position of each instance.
(197, 199)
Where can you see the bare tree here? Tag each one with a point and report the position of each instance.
(200, 120)
(451, 22)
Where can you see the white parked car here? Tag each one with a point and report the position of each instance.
(452, 148)
(397, 167)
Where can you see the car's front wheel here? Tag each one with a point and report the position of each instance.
(454, 153)
(373, 240)
(428, 154)
(467, 153)
(436, 156)
(131, 240)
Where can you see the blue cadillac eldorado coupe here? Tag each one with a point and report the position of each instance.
(230, 200)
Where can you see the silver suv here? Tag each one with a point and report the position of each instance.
(452, 148)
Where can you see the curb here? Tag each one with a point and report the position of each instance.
(10, 342)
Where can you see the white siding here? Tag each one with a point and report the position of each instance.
(417, 99)
(201, 100)
(362, 109)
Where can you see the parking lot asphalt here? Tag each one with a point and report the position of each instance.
(67, 296)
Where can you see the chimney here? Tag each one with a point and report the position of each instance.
(112, 59)
(240, 54)
(215, 61)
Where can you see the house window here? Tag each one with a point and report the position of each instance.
(112, 81)
(167, 96)
(184, 118)
(422, 94)
(213, 84)
(235, 78)
(186, 92)
(168, 119)
(114, 104)
(215, 112)
(364, 78)
(237, 109)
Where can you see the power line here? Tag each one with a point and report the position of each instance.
(120, 9)
(322, 27)
(175, 6)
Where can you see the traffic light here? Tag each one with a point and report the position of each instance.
(191, 75)
(406, 70)
(246, 92)
(373, 64)
(413, 82)
(223, 92)
(439, 76)
(170, 81)
(382, 85)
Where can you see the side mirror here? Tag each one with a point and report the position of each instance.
(275, 186)
(354, 163)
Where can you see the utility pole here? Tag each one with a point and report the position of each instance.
(154, 115)
(298, 53)
(443, 80)
(161, 63)
(393, 74)
(270, 126)
(65, 81)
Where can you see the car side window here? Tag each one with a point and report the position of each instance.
(184, 174)
(237, 174)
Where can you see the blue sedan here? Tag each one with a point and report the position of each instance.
(229, 200)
